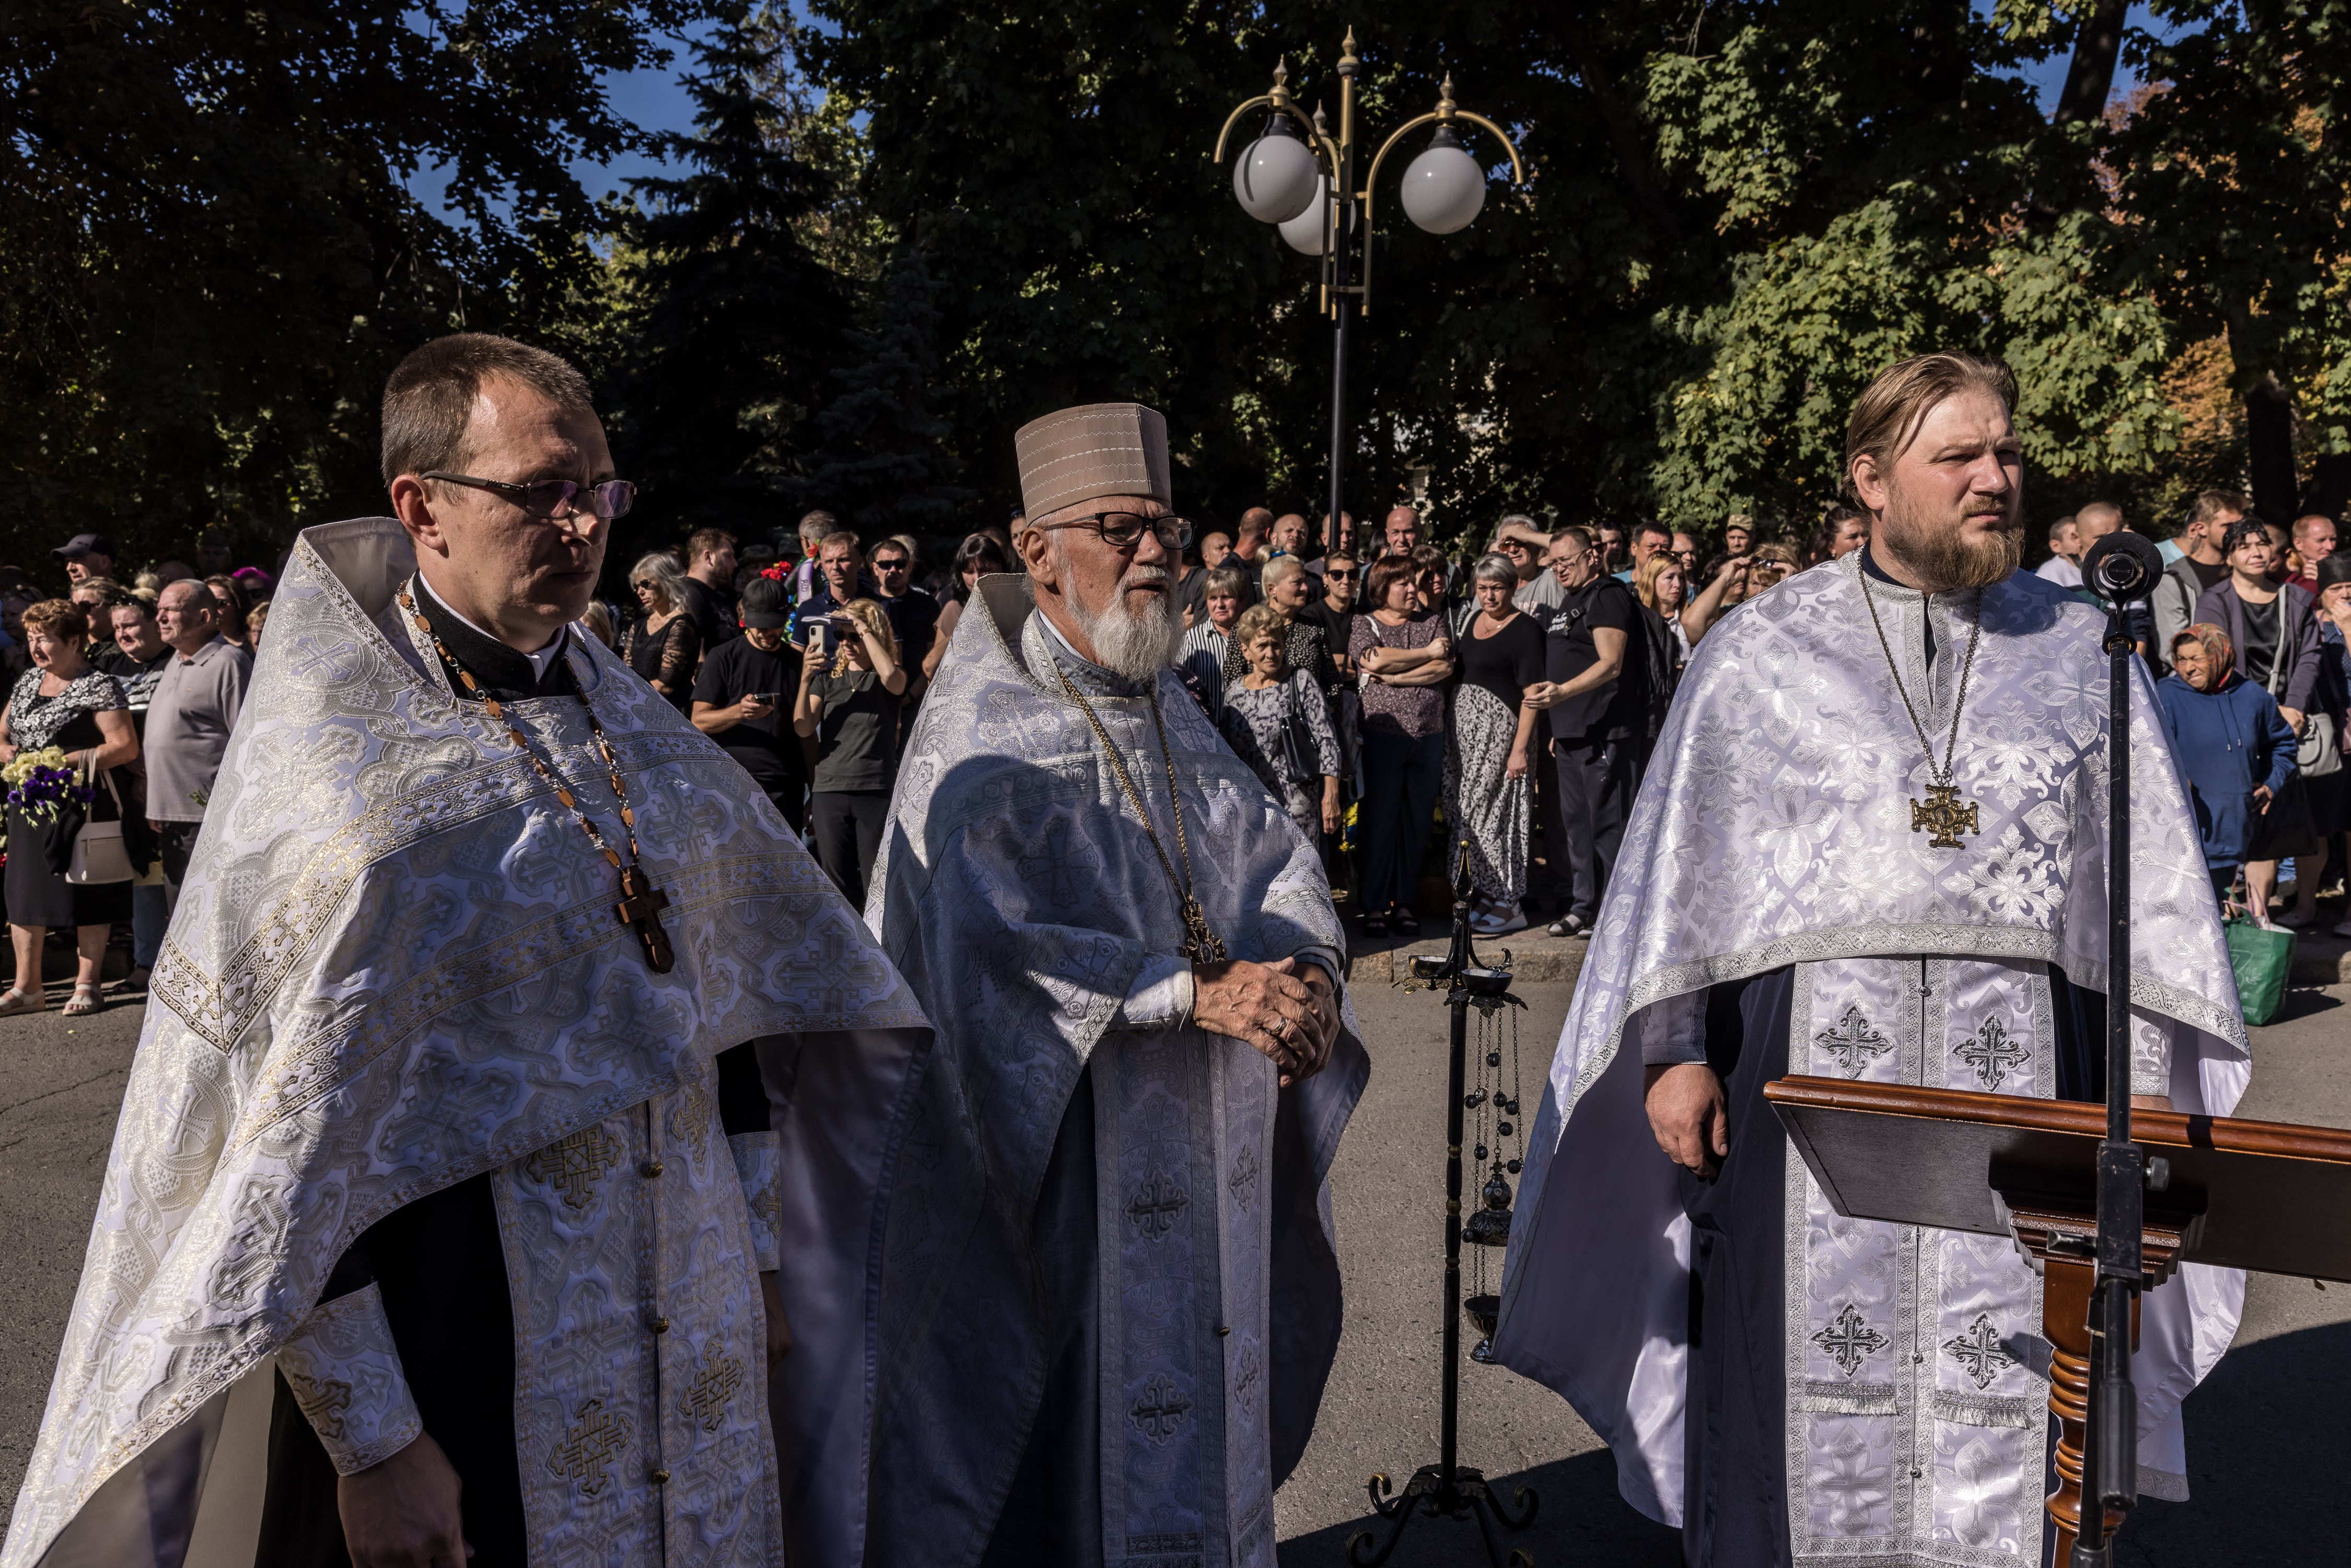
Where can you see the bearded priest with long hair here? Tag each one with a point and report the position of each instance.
(1898, 759)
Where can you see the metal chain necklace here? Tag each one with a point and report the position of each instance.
(640, 901)
(1943, 817)
(1199, 944)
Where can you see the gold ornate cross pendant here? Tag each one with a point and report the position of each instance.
(1943, 817)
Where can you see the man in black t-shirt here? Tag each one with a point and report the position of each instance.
(1595, 694)
(743, 694)
(914, 615)
(710, 586)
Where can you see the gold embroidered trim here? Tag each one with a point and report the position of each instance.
(573, 1165)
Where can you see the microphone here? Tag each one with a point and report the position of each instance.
(2122, 567)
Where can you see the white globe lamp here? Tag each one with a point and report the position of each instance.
(1275, 179)
(1304, 233)
(1444, 188)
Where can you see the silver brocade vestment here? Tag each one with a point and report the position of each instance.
(1775, 829)
(1024, 903)
(396, 965)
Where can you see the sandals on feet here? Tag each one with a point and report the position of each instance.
(13, 1000)
(85, 1000)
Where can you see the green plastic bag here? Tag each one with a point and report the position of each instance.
(2263, 959)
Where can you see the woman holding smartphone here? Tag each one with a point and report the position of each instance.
(852, 689)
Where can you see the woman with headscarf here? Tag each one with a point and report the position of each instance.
(2231, 744)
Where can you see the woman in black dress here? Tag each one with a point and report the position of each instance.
(63, 702)
(664, 645)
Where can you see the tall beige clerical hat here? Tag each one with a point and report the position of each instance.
(1099, 449)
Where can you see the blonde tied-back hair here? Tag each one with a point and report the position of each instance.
(1887, 414)
(867, 613)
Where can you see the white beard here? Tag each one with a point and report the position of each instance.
(1135, 644)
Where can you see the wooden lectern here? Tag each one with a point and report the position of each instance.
(2264, 1196)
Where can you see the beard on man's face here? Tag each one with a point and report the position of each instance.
(1983, 545)
(1138, 634)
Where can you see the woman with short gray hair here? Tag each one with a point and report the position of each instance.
(1489, 747)
(662, 644)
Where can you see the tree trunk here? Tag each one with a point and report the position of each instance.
(2090, 76)
(2269, 450)
(2330, 486)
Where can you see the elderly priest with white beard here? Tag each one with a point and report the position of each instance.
(1109, 1286)
(449, 1216)
(1871, 845)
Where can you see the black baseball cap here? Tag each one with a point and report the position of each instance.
(762, 604)
(84, 544)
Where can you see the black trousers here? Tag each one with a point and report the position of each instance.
(1597, 781)
(846, 827)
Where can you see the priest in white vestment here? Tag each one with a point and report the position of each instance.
(1110, 1293)
(1786, 1385)
(450, 1212)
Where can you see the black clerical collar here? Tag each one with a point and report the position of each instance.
(501, 672)
(1869, 564)
(1926, 622)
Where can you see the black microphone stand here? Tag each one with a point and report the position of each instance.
(2121, 569)
(1447, 1487)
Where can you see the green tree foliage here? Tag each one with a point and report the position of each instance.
(209, 258)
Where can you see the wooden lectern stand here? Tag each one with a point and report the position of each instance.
(2262, 1195)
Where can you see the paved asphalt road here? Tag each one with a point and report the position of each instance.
(2262, 1431)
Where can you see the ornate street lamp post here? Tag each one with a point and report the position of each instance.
(1287, 179)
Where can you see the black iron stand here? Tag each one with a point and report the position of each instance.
(2110, 1447)
(1447, 1487)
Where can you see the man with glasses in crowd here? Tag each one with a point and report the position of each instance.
(1135, 971)
(914, 615)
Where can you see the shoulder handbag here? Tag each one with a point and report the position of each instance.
(1301, 763)
(99, 854)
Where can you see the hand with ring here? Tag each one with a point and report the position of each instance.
(1287, 1011)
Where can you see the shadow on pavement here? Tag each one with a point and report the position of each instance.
(2268, 1444)
(2303, 1001)
(1581, 1521)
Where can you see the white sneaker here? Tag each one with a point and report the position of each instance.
(1500, 923)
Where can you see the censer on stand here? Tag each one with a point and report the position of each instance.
(1488, 1225)
(1447, 1487)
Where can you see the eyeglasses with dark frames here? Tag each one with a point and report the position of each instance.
(1123, 530)
(546, 500)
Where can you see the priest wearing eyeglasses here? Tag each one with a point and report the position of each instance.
(1110, 1263)
(453, 1212)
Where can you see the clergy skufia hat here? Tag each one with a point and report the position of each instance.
(1099, 449)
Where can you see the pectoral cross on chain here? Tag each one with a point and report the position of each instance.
(641, 905)
(1943, 817)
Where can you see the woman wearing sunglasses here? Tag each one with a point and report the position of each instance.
(662, 644)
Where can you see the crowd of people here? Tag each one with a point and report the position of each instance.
(1495, 707)
(126, 694)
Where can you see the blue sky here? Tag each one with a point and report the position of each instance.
(657, 100)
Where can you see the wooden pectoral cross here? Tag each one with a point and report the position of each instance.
(641, 905)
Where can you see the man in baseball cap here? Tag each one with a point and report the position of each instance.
(86, 556)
